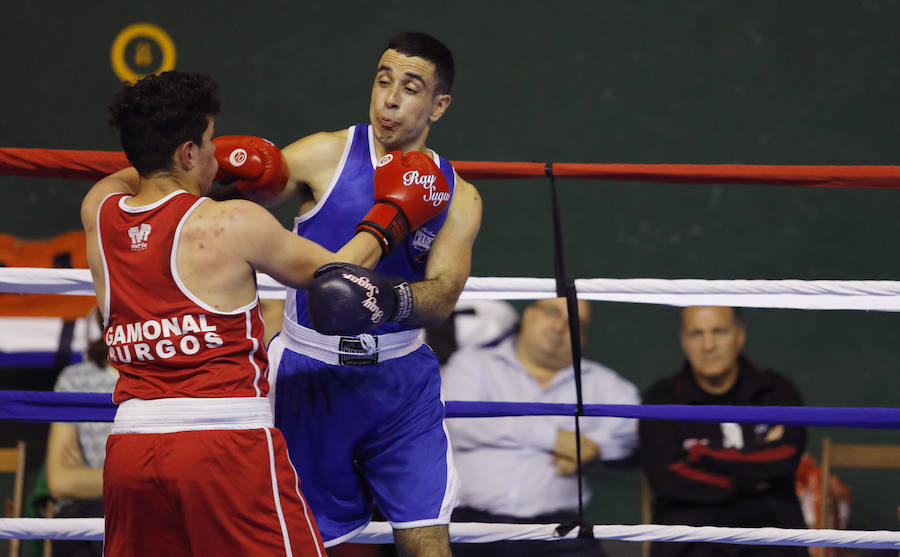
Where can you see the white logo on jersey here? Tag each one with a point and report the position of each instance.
(170, 336)
(237, 157)
(385, 159)
(732, 436)
(422, 239)
(139, 236)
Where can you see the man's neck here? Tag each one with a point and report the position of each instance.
(382, 150)
(418, 144)
(539, 371)
(157, 186)
(719, 384)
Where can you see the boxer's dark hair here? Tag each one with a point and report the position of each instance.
(160, 112)
(431, 49)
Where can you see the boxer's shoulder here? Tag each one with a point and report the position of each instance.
(314, 158)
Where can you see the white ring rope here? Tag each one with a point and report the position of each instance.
(474, 532)
(796, 294)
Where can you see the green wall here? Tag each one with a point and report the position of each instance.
(796, 82)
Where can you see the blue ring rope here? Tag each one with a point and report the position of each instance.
(46, 406)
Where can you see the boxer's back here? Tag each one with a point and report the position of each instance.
(165, 339)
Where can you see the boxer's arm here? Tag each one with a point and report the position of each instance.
(127, 181)
(67, 475)
(123, 181)
(450, 259)
(312, 162)
(291, 260)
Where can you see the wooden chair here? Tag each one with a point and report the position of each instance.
(47, 546)
(646, 511)
(840, 455)
(12, 461)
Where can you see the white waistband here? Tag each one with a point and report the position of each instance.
(168, 415)
(328, 348)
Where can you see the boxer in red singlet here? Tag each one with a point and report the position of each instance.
(194, 465)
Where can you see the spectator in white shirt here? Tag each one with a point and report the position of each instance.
(522, 469)
(76, 451)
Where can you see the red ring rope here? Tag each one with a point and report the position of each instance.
(93, 165)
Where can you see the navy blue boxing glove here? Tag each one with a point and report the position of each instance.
(346, 299)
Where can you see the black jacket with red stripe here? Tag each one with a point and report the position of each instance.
(711, 474)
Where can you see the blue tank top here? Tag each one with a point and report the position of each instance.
(332, 222)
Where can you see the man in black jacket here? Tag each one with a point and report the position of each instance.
(721, 474)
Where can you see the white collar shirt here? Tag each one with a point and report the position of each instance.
(504, 464)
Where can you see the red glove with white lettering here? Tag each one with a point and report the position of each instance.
(256, 165)
(409, 191)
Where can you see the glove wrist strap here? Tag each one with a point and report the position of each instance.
(387, 220)
(404, 301)
(379, 236)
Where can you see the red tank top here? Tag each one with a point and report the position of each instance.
(165, 341)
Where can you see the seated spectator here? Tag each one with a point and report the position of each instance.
(721, 474)
(523, 469)
(272, 312)
(76, 451)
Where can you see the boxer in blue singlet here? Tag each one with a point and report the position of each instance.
(363, 415)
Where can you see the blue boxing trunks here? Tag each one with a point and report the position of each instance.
(363, 425)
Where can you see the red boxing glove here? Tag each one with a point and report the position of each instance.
(409, 191)
(256, 165)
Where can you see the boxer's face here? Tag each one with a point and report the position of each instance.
(404, 104)
(206, 163)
